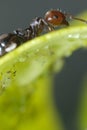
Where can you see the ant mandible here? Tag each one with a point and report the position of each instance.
(52, 18)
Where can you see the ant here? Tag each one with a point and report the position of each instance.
(52, 18)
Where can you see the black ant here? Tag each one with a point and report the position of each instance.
(52, 18)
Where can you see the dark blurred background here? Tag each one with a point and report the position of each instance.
(67, 84)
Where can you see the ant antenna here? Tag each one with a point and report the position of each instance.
(72, 17)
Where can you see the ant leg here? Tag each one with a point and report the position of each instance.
(19, 32)
(34, 32)
(49, 27)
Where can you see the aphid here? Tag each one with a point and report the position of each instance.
(52, 18)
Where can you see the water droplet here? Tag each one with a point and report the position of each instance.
(46, 47)
(74, 36)
(22, 59)
(37, 50)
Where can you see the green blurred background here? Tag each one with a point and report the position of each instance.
(68, 88)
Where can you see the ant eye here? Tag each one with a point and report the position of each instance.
(55, 16)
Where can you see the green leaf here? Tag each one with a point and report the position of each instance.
(82, 107)
(26, 74)
(33, 58)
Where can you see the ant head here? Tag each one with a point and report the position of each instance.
(55, 18)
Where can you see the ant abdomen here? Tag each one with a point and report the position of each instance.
(9, 42)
